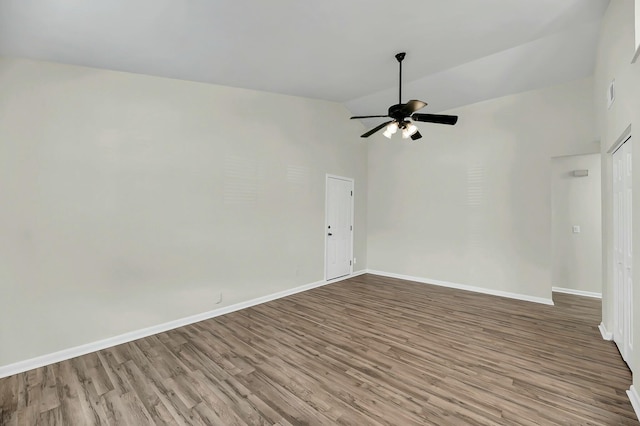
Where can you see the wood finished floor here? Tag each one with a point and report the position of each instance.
(368, 350)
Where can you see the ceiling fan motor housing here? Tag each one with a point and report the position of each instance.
(397, 112)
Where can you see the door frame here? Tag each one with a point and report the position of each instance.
(326, 218)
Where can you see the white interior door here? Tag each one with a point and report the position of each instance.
(622, 222)
(339, 227)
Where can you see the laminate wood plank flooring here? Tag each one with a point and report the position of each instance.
(364, 351)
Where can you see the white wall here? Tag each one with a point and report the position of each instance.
(575, 201)
(129, 201)
(471, 204)
(637, 29)
(615, 52)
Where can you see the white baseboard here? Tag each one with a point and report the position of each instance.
(577, 292)
(464, 287)
(41, 361)
(606, 334)
(635, 400)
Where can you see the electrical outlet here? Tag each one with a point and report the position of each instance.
(218, 298)
(354, 260)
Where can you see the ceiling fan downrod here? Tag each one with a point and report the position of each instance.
(400, 56)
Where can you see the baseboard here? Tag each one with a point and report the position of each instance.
(464, 287)
(41, 361)
(577, 292)
(635, 400)
(606, 334)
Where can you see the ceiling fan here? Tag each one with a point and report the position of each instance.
(402, 114)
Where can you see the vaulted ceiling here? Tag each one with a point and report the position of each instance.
(458, 51)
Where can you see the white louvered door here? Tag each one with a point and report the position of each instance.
(623, 251)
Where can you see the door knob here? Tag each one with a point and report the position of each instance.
(329, 234)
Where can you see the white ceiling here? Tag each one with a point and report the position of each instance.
(458, 51)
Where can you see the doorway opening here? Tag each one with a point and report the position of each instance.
(576, 225)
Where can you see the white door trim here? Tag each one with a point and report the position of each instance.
(326, 217)
(621, 140)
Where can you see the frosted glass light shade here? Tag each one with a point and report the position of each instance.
(409, 130)
(391, 129)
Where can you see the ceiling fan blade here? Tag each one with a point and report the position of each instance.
(416, 136)
(436, 118)
(375, 129)
(368, 116)
(412, 106)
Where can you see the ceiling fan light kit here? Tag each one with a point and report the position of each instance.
(403, 114)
